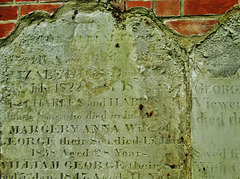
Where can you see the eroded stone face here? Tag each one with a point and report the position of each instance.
(215, 104)
(86, 98)
(220, 53)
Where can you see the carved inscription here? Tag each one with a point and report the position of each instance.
(216, 111)
(81, 105)
(216, 104)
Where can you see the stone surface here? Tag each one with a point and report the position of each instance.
(215, 103)
(86, 97)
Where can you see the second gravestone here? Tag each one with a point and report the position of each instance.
(84, 96)
(215, 104)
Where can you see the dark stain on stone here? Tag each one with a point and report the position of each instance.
(147, 22)
(172, 166)
(117, 45)
(182, 139)
(74, 15)
(151, 113)
(141, 107)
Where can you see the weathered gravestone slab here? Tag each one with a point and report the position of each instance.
(83, 96)
(216, 104)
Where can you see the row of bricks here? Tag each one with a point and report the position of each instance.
(173, 7)
(162, 8)
(11, 13)
(187, 8)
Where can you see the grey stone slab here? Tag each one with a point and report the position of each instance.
(89, 97)
(215, 89)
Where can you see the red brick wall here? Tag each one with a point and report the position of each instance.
(179, 15)
(186, 17)
(12, 10)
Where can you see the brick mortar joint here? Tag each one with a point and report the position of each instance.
(8, 21)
